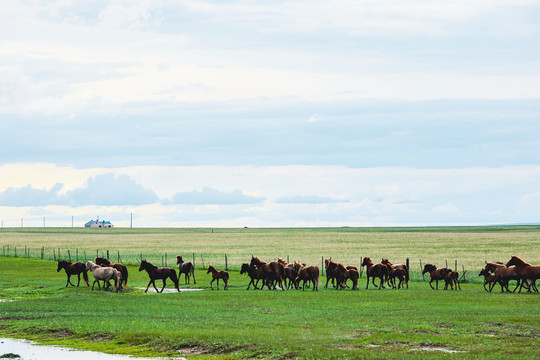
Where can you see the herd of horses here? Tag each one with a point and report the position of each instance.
(283, 275)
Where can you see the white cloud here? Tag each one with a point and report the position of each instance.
(212, 196)
(339, 196)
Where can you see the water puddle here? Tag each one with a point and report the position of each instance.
(29, 351)
(435, 348)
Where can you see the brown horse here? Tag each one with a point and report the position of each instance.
(452, 279)
(489, 279)
(375, 271)
(156, 273)
(330, 268)
(503, 274)
(290, 276)
(344, 273)
(216, 275)
(186, 268)
(73, 269)
(436, 274)
(252, 272)
(529, 273)
(272, 273)
(399, 271)
(120, 267)
(307, 274)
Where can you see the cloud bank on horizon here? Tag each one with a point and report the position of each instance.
(286, 114)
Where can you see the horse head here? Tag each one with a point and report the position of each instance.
(255, 261)
(244, 269)
(366, 261)
(428, 268)
(144, 265)
(516, 261)
(62, 264)
(179, 260)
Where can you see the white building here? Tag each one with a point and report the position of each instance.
(97, 223)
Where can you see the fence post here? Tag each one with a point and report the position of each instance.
(455, 267)
(193, 259)
(85, 256)
(322, 265)
(226, 265)
(107, 254)
(421, 270)
(119, 256)
(15, 251)
(77, 254)
(54, 254)
(165, 258)
(69, 255)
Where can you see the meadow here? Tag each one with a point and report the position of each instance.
(414, 323)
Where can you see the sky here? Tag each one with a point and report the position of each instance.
(269, 114)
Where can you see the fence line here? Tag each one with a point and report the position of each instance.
(199, 260)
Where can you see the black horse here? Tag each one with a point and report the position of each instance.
(156, 273)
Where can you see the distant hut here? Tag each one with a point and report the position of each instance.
(97, 223)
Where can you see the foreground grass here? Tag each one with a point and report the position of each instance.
(246, 324)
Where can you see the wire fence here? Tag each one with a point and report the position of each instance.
(201, 260)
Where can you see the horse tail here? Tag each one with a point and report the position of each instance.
(124, 275)
(85, 276)
(174, 278)
(406, 274)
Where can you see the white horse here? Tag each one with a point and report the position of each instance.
(105, 274)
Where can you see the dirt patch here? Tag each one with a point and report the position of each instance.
(193, 350)
(422, 331)
(359, 333)
(97, 337)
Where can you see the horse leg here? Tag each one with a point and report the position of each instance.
(68, 282)
(78, 279)
(211, 284)
(226, 286)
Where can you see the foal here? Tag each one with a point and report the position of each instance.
(216, 275)
(186, 268)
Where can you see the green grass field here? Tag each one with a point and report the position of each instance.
(414, 323)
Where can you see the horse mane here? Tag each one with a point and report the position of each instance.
(64, 262)
(211, 268)
(102, 260)
(150, 265)
(518, 259)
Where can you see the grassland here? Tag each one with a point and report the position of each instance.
(416, 323)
